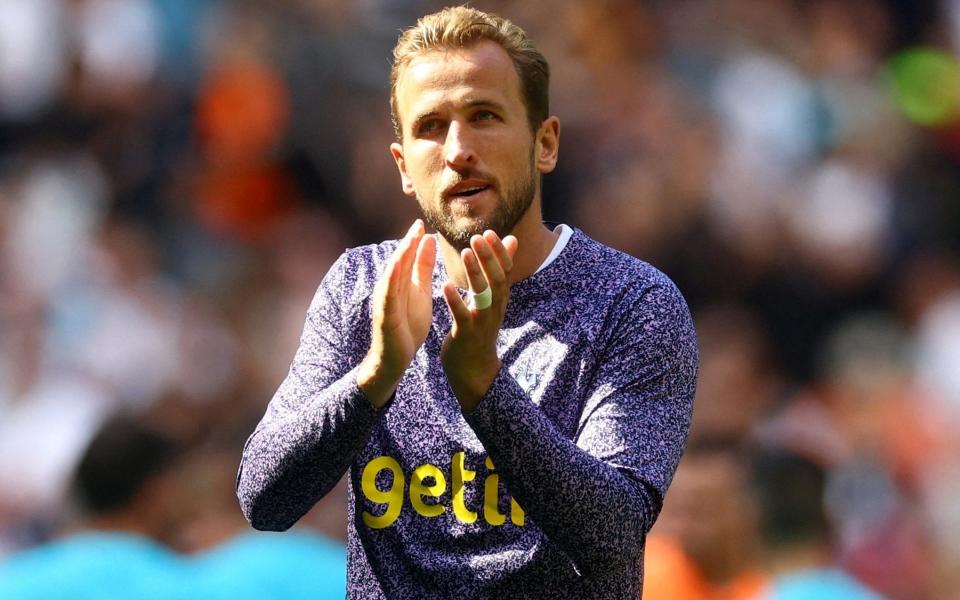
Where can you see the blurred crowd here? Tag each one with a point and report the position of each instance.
(177, 175)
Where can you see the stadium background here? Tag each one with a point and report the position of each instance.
(177, 175)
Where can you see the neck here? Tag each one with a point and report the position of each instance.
(722, 566)
(121, 522)
(797, 557)
(535, 241)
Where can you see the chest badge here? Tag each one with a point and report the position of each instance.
(527, 381)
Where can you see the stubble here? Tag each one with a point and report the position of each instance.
(514, 204)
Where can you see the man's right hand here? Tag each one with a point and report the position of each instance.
(402, 312)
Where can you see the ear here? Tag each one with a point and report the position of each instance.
(548, 145)
(396, 149)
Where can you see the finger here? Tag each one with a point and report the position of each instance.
(458, 308)
(471, 266)
(488, 263)
(391, 278)
(411, 232)
(426, 258)
(406, 254)
(510, 243)
(499, 250)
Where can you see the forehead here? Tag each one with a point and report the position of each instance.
(436, 78)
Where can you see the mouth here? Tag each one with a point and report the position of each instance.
(467, 189)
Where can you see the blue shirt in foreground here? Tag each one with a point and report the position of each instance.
(546, 490)
(125, 566)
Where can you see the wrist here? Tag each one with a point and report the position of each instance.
(471, 385)
(376, 380)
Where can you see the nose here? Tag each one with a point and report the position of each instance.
(458, 150)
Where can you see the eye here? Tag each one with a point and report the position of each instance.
(428, 127)
(484, 115)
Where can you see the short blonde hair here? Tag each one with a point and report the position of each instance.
(458, 27)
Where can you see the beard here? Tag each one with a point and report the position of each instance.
(513, 204)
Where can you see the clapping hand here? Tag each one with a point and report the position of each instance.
(402, 312)
(469, 352)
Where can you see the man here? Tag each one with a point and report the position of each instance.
(123, 485)
(746, 522)
(707, 545)
(519, 442)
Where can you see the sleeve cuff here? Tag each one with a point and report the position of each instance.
(502, 403)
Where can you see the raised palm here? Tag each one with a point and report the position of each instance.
(402, 312)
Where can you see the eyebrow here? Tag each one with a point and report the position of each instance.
(489, 103)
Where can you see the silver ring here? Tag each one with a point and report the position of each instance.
(483, 300)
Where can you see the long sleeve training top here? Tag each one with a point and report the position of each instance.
(545, 490)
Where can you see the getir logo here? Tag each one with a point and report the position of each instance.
(428, 481)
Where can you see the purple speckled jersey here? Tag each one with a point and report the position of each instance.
(546, 490)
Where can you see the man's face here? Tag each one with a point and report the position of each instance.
(468, 154)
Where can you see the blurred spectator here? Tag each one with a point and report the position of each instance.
(706, 544)
(798, 543)
(60, 203)
(176, 176)
(739, 382)
(134, 500)
(242, 115)
(122, 484)
(118, 47)
(867, 422)
(33, 59)
(755, 527)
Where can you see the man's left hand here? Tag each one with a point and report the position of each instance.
(469, 352)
